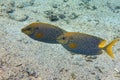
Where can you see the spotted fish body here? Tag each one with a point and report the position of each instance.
(81, 43)
(43, 32)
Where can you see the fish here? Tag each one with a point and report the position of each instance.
(85, 44)
(43, 32)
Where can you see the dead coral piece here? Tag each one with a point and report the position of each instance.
(18, 16)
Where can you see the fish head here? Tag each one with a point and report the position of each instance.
(27, 30)
(34, 30)
(30, 29)
(62, 39)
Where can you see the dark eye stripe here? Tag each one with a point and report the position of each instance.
(28, 28)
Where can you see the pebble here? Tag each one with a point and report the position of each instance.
(62, 16)
(55, 6)
(48, 12)
(86, 1)
(65, 0)
(53, 18)
(9, 10)
(73, 16)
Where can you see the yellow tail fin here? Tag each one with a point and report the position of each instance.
(108, 48)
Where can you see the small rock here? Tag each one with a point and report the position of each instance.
(94, 7)
(54, 5)
(86, 1)
(117, 7)
(97, 78)
(62, 16)
(65, 0)
(73, 16)
(53, 18)
(9, 10)
(48, 12)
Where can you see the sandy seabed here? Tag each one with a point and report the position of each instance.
(22, 58)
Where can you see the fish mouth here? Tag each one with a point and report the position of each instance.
(27, 32)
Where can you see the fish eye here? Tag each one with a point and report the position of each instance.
(36, 28)
(28, 28)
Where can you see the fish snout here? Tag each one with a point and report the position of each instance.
(25, 31)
